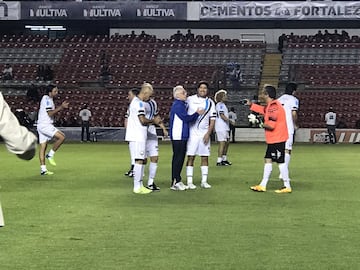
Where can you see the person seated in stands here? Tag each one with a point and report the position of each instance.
(40, 73)
(189, 36)
(327, 35)
(7, 73)
(32, 93)
(105, 73)
(143, 35)
(133, 35)
(341, 123)
(335, 36)
(177, 37)
(344, 35)
(319, 36)
(48, 74)
(235, 76)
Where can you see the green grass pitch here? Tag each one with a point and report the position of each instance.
(85, 216)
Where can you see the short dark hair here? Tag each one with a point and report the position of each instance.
(271, 91)
(290, 88)
(49, 88)
(203, 82)
(135, 91)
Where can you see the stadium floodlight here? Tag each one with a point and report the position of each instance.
(45, 27)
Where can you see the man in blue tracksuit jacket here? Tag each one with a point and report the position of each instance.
(179, 134)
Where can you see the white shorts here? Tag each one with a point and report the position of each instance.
(152, 148)
(222, 136)
(196, 146)
(289, 142)
(137, 150)
(46, 133)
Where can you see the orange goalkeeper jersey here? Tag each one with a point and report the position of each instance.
(274, 116)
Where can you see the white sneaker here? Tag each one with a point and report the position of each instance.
(191, 186)
(205, 185)
(179, 186)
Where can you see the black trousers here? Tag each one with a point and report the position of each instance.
(332, 134)
(179, 152)
(85, 126)
(232, 132)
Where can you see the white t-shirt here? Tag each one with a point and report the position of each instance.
(85, 114)
(135, 131)
(220, 124)
(46, 104)
(232, 118)
(290, 104)
(330, 118)
(201, 125)
(151, 110)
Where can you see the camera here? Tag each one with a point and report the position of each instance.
(243, 101)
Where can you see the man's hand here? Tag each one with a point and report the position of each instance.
(206, 138)
(200, 111)
(65, 104)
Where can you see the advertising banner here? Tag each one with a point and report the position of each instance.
(342, 136)
(9, 11)
(103, 11)
(304, 10)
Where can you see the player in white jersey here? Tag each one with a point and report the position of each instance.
(152, 145)
(131, 94)
(136, 135)
(200, 131)
(291, 106)
(46, 129)
(222, 127)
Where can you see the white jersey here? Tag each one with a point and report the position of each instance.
(330, 118)
(46, 104)
(232, 117)
(290, 104)
(151, 110)
(85, 115)
(201, 125)
(135, 131)
(220, 124)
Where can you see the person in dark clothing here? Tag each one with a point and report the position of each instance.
(179, 135)
(85, 115)
(33, 94)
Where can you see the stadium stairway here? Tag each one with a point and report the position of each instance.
(271, 70)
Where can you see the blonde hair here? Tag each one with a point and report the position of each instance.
(147, 85)
(219, 95)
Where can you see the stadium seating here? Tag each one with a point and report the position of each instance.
(315, 104)
(131, 60)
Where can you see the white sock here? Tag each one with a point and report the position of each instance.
(287, 159)
(189, 174)
(43, 168)
(137, 176)
(224, 157)
(266, 174)
(204, 173)
(285, 174)
(152, 173)
(51, 153)
(219, 159)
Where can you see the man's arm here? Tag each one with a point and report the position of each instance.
(63, 105)
(17, 138)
